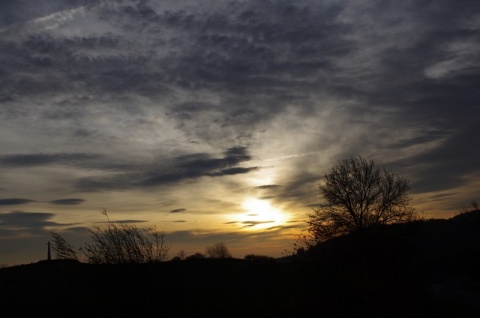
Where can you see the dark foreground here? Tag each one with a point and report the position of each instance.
(422, 269)
(215, 288)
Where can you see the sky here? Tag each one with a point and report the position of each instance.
(215, 120)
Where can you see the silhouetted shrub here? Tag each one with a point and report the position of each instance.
(125, 243)
(62, 249)
(219, 250)
(116, 244)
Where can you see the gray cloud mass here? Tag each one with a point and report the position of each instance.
(15, 222)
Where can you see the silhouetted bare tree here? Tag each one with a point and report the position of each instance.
(61, 248)
(219, 250)
(359, 195)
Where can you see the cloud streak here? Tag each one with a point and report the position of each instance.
(14, 201)
(178, 210)
(67, 201)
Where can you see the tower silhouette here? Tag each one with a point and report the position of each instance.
(49, 256)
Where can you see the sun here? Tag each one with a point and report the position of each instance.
(260, 214)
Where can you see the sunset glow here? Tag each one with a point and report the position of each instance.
(259, 215)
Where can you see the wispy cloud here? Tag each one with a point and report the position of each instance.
(67, 201)
(178, 210)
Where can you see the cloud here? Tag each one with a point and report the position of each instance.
(14, 12)
(128, 221)
(442, 196)
(202, 165)
(201, 237)
(203, 161)
(67, 201)
(178, 210)
(234, 171)
(32, 160)
(185, 167)
(14, 201)
(76, 230)
(449, 164)
(178, 169)
(268, 187)
(16, 222)
(253, 223)
(285, 227)
(18, 201)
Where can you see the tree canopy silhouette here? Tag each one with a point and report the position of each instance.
(358, 195)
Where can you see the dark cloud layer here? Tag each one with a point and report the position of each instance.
(17, 222)
(14, 201)
(32, 160)
(200, 165)
(188, 167)
(18, 201)
(247, 47)
(67, 201)
(249, 50)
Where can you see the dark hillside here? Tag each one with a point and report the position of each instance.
(421, 269)
(432, 261)
(453, 244)
(193, 288)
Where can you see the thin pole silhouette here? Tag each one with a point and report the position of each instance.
(49, 255)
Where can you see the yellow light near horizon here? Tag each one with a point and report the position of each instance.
(259, 214)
